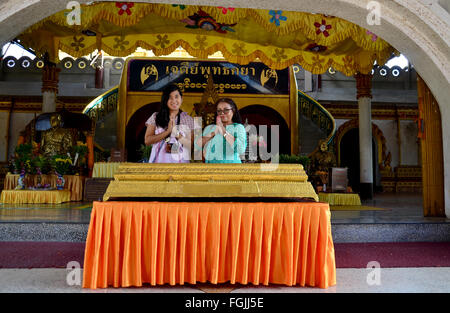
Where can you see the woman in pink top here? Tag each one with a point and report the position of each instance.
(170, 130)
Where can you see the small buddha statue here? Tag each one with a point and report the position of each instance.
(56, 140)
(321, 161)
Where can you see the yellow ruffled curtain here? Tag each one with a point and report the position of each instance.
(278, 38)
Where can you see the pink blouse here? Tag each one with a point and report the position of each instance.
(159, 154)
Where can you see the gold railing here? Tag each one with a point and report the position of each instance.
(314, 111)
(103, 104)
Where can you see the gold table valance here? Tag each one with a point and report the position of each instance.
(35, 196)
(105, 169)
(74, 183)
(340, 198)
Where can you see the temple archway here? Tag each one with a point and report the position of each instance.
(419, 30)
(263, 115)
(416, 28)
(135, 130)
(380, 140)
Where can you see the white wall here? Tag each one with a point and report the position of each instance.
(389, 129)
(18, 123)
(409, 143)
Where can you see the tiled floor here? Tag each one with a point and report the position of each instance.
(406, 208)
(349, 280)
(71, 212)
(399, 208)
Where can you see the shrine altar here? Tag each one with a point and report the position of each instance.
(133, 243)
(105, 169)
(35, 196)
(74, 183)
(340, 198)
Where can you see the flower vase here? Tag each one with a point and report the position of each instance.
(60, 181)
(39, 178)
(21, 181)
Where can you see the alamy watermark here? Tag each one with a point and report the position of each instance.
(73, 277)
(74, 16)
(374, 16)
(373, 278)
(251, 145)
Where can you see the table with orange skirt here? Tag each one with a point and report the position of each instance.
(74, 183)
(132, 243)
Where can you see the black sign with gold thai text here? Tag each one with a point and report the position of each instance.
(192, 76)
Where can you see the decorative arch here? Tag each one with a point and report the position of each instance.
(135, 129)
(376, 132)
(415, 28)
(418, 28)
(257, 114)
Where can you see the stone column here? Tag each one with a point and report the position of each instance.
(107, 74)
(364, 96)
(50, 79)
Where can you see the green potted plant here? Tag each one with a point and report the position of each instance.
(295, 159)
(79, 154)
(61, 164)
(22, 158)
(145, 152)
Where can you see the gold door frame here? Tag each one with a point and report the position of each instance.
(130, 102)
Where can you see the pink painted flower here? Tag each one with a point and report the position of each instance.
(322, 28)
(225, 10)
(374, 37)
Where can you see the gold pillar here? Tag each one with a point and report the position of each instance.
(90, 145)
(430, 133)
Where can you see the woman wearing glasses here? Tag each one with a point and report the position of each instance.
(226, 140)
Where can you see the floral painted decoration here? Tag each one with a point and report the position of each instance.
(316, 48)
(322, 28)
(180, 6)
(225, 10)
(125, 7)
(78, 44)
(374, 37)
(121, 43)
(277, 16)
(204, 21)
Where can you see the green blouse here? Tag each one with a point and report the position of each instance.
(218, 150)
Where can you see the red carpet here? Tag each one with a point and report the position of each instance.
(24, 254)
(393, 254)
(348, 255)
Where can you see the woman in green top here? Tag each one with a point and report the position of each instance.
(225, 141)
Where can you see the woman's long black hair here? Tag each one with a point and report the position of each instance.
(236, 115)
(163, 116)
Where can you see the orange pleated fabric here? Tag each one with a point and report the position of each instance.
(132, 243)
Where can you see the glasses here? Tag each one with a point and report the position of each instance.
(224, 111)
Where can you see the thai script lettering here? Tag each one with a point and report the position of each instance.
(221, 88)
(184, 68)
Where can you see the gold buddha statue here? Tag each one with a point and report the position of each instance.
(321, 161)
(56, 140)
